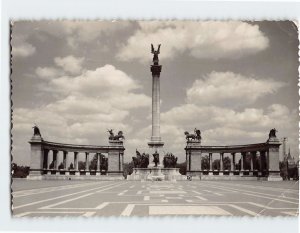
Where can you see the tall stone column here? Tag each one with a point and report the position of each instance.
(221, 164)
(232, 164)
(49, 161)
(155, 143)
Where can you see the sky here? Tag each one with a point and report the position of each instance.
(233, 80)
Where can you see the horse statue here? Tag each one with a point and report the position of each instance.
(36, 131)
(196, 136)
(272, 133)
(114, 137)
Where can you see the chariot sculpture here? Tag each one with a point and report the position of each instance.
(113, 137)
(196, 136)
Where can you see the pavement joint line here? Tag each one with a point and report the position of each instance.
(274, 199)
(260, 187)
(88, 214)
(201, 198)
(102, 205)
(128, 210)
(244, 210)
(46, 190)
(240, 191)
(55, 198)
(76, 198)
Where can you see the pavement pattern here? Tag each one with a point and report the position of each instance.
(136, 198)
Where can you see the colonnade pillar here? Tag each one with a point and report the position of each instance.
(221, 172)
(87, 172)
(232, 164)
(242, 163)
(210, 164)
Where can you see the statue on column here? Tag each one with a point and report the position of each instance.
(193, 137)
(272, 133)
(155, 54)
(114, 137)
(36, 131)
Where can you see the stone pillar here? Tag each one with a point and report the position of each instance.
(98, 172)
(65, 161)
(232, 164)
(36, 157)
(210, 164)
(45, 160)
(114, 163)
(49, 161)
(273, 160)
(55, 158)
(121, 161)
(87, 171)
(221, 164)
(76, 163)
(242, 163)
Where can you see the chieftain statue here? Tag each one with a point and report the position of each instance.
(113, 137)
(156, 158)
(140, 160)
(169, 161)
(193, 137)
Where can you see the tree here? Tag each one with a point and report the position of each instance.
(216, 164)
(128, 169)
(93, 164)
(81, 165)
(19, 171)
(226, 163)
(182, 168)
(61, 166)
(205, 162)
(71, 167)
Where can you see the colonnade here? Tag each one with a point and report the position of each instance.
(237, 167)
(68, 158)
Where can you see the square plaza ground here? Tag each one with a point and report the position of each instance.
(135, 198)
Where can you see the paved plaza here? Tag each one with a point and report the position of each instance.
(135, 198)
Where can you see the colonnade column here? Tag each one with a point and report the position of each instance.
(221, 164)
(87, 172)
(98, 172)
(55, 159)
(210, 164)
(65, 161)
(232, 164)
(242, 164)
(76, 163)
(49, 161)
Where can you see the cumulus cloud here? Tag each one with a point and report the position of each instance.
(23, 50)
(48, 73)
(227, 88)
(207, 39)
(87, 106)
(70, 64)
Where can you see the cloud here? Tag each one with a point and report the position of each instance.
(48, 73)
(23, 50)
(227, 88)
(207, 39)
(70, 64)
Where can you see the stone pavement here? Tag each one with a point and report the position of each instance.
(135, 198)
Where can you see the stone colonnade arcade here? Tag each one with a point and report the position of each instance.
(263, 157)
(40, 160)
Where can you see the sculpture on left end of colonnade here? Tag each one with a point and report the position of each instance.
(36, 131)
(114, 137)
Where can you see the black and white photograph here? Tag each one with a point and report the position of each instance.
(142, 118)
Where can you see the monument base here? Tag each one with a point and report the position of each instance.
(156, 174)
